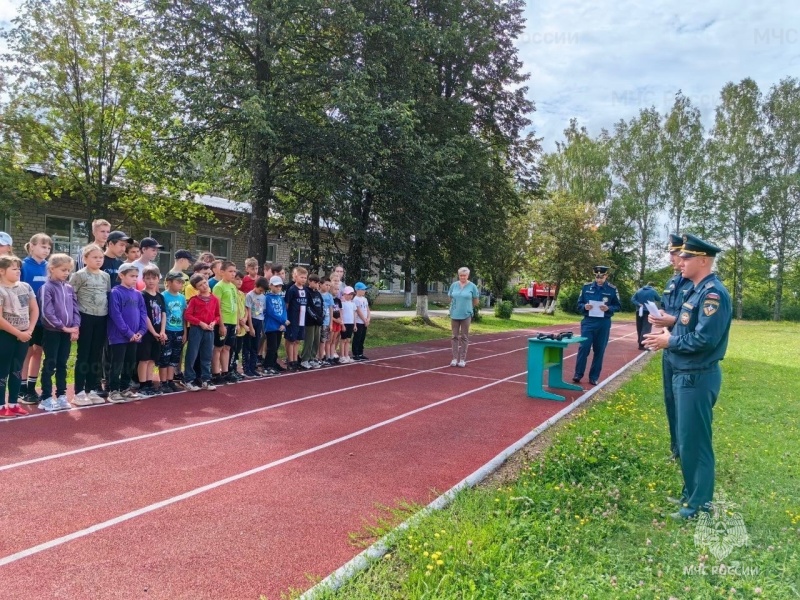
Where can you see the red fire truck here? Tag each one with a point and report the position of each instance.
(538, 292)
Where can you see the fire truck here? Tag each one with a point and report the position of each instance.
(537, 293)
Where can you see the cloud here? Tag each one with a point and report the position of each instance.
(602, 62)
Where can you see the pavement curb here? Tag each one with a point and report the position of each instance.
(361, 561)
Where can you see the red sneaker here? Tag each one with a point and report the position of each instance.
(6, 412)
(18, 410)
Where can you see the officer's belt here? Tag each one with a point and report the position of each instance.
(703, 370)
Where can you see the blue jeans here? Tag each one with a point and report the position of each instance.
(201, 344)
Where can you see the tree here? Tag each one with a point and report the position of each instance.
(88, 108)
(683, 157)
(780, 225)
(737, 171)
(564, 240)
(580, 166)
(254, 80)
(637, 168)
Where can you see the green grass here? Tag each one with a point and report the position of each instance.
(588, 517)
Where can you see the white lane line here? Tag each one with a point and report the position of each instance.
(212, 486)
(229, 417)
(284, 376)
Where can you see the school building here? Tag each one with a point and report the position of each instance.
(64, 220)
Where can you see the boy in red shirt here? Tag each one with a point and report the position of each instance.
(204, 316)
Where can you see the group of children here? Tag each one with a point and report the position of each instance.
(126, 327)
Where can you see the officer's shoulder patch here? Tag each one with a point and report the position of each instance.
(688, 305)
(712, 296)
(612, 286)
(709, 285)
(710, 307)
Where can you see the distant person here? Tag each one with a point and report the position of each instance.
(697, 344)
(127, 324)
(34, 273)
(19, 311)
(6, 244)
(464, 297)
(183, 262)
(362, 319)
(602, 297)
(203, 314)
(646, 293)
(61, 320)
(100, 232)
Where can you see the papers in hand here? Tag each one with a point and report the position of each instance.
(651, 307)
(595, 310)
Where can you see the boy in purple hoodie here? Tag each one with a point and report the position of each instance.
(61, 319)
(127, 323)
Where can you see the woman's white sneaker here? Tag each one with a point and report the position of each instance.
(462, 363)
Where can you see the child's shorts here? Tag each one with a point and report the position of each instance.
(325, 334)
(295, 333)
(219, 340)
(36, 336)
(148, 349)
(335, 327)
(230, 335)
(347, 332)
(172, 350)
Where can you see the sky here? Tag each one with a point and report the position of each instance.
(602, 60)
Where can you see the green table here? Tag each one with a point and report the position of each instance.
(548, 354)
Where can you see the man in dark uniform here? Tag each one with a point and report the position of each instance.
(697, 344)
(643, 295)
(595, 329)
(671, 301)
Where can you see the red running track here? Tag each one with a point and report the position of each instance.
(253, 489)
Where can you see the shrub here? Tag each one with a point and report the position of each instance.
(504, 309)
(568, 300)
(754, 310)
(510, 294)
(476, 314)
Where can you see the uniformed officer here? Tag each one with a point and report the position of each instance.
(696, 345)
(646, 293)
(671, 301)
(595, 329)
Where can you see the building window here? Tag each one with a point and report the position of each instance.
(219, 247)
(164, 258)
(272, 253)
(69, 235)
(388, 275)
(304, 256)
(432, 287)
(5, 223)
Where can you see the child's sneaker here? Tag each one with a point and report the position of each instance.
(191, 387)
(305, 365)
(208, 386)
(173, 386)
(48, 404)
(96, 398)
(130, 394)
(231, 378)
(7, 413)
(29, 399)
(117, 397)
(63, 403)
(81, 399)
(17, 410)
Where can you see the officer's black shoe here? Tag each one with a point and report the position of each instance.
(576, 380)
(673, 457)
(593, 382)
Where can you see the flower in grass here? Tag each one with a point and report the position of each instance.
(757, 591)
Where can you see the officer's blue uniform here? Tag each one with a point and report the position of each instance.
(671, 301)
(698, 342)
(644, 294)
(595, 329)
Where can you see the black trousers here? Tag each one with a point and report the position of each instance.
(12, 355)
(56, 346)
(89, 363)
(643, 326)
(359, 336)
(273, 343)
(123, 365)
